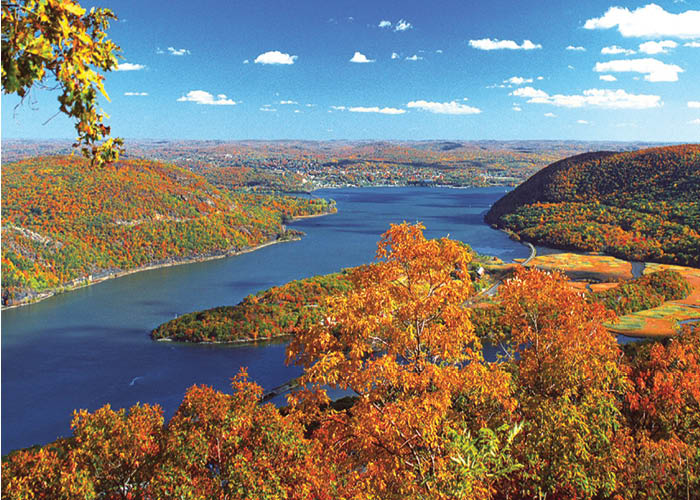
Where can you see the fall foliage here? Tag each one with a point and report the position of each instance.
(51, 39)
(640, 205)
(564, 412)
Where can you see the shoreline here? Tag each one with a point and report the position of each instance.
(45, 294)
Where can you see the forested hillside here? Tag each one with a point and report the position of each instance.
(641, 205)
(64, 224)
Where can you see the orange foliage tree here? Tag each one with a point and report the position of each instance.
(402, 341)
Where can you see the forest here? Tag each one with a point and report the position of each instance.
(66, 224)
(639, 206)
(302, 166)
(564, 412)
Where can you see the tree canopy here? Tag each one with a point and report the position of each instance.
(57, 40)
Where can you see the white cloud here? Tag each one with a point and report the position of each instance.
(338, 108)
(130, 67)
(384, 24)
(583, 122)
(657, 47)
(402, 25)
(444, 108)
(540, 77)
(615, 50)
(650, 21)
(275, 57)
(652, 69)
(146, 93)
(608, 78)
(247, 61)
(694, 104)
(529, 92)
(268, 109)
(694, 45)
(394, 55)
(414, 57)
(599, 98)
(202, 97)
(438, 51)
(517, 80)
(550, 115)
(297, 111)
(178, 52)
(359, 57)
(576, 48)
(289, 102)
(695, 122)
(517, 108)
(496, 44)
(375, 109)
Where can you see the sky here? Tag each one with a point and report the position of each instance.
(408, 70)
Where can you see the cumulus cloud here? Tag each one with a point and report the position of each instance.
(576, 48)
(376, 109)
(496, 44)
(384, 24)
(402, 25)
(178, 52)
(136, 93)
(694, 104)
(517, 108)
(288, 102)
(652, 69)
(203, 97)
(599, 98)
(694, 45)
(394, 55)
(608, 78)
(444, 108)
(125, 66)
(550, 115)
(650, 21)
(614, 50)
(583, 122)
(517, 80)
(275, 57)
(246, 61)
(414, 57)
(657, 47)
(359, 57)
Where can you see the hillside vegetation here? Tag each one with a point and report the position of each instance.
(641, 205)
(64, 224)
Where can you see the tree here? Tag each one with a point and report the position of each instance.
(43, 40)
(402, 341)
(569, 386)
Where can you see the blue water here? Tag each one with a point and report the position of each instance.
(90, 347)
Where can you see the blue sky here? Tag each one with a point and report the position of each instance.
(435, 70)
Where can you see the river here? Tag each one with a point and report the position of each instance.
(90, 347)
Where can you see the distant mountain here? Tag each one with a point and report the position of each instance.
(642, 205)
(65, 224)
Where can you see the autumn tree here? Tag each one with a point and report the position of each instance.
(47, 41)
(428, 412)
(569, 387)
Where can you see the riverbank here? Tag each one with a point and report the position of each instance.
(78, 283)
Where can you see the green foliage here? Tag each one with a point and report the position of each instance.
(51, 39)
(278, 311)
(636, 206)
(646, 292)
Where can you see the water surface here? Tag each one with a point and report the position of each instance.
(90, 347)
